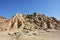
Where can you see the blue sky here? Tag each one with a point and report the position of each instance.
(48, 7)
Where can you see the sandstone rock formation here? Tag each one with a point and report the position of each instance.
(31, 22)
(2, 19)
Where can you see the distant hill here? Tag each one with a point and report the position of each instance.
(31, 22)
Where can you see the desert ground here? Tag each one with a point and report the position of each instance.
(9, 35)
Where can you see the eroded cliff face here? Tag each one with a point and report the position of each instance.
(31, 22)
(2, 19)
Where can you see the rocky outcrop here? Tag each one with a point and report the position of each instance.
(31, 22)
(2, 19)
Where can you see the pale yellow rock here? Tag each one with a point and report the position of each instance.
(35, 21)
